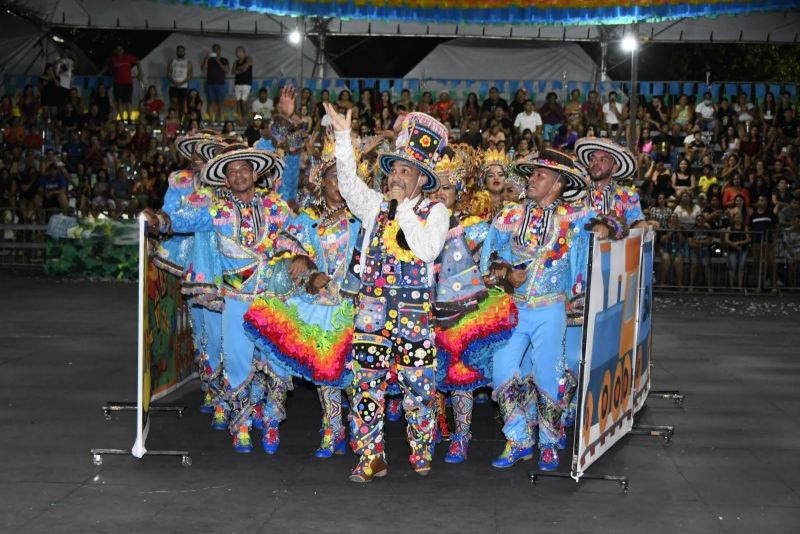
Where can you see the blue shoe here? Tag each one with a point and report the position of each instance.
(329, 447)
(271, 439)
(220, 419)
(207, 406)
(394, 410)
(241, 441)
(548, 458)
(458, 448)
(512, 454)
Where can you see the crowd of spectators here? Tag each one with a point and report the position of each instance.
(718, 175)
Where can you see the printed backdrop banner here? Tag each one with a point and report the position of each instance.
(644, 338)
(165, 348)
(609, 342)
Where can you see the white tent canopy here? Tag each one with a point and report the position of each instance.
(496, 60)
(776, 27)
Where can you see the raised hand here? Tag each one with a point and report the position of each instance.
(340, 124)
(286, 102)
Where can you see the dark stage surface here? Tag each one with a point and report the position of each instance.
(67, 347)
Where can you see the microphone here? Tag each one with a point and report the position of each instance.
(392, 209)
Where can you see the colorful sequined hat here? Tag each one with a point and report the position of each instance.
(185, 144)
(564, 164)
(584, 148)
(420, 142)
(452, 169)
(263, 162)
(326, 160)
(494, 157)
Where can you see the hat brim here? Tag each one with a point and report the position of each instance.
(386, 159)
(574, 189)
(584, 149)
(263, 163)
(207, 149)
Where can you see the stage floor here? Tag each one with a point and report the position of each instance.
(67, 347)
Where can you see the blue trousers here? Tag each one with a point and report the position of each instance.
(529, 375)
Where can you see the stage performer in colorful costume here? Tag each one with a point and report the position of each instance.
(257, 260)
(611, 209)
(530, 249)
(403, 237)
(471, 322)
(192, 257)
(311, 333)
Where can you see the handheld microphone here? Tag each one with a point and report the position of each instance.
(392, 209)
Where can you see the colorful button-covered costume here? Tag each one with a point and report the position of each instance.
(393, 327)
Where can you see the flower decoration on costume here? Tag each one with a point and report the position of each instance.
(391, 245)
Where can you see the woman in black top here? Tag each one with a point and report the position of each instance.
(51, 95)
(682, 179)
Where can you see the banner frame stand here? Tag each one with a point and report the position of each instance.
(621, 479)
(667, 394)
(663, 431)
(121, 406)
(138, 450)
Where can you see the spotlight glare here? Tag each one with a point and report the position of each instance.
(295, 37)
(629, 43)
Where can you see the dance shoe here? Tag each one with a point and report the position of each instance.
(241, 441)
(331, 446)
(220, 419)
(548, 457)
(458, 448)
(394, 410)
(512, 453)
(367, 469)
(207, 406)
(271, 438)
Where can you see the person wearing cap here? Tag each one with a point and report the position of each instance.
(257, 260)
(311, 333)
(403, 236)
(471, 322)
(191, 257)
(530, 249)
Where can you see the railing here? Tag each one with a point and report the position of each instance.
(458, 88)
(23, 233)
(716, 266)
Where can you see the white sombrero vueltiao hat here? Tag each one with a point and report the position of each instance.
(263, 162)
(185, 144)
(564, 164)
(584, 148)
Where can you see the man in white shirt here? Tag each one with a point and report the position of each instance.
(64, 67)
(613, 116)
(707, 115)
(263, 105)
(404, 233)
(529, 119)
(179, 72)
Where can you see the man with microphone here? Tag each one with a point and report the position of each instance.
(403, 235)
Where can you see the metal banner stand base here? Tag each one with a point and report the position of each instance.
(668, 394)
(97, 455)
(115, 406)
(663, 431)
(621, 480)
